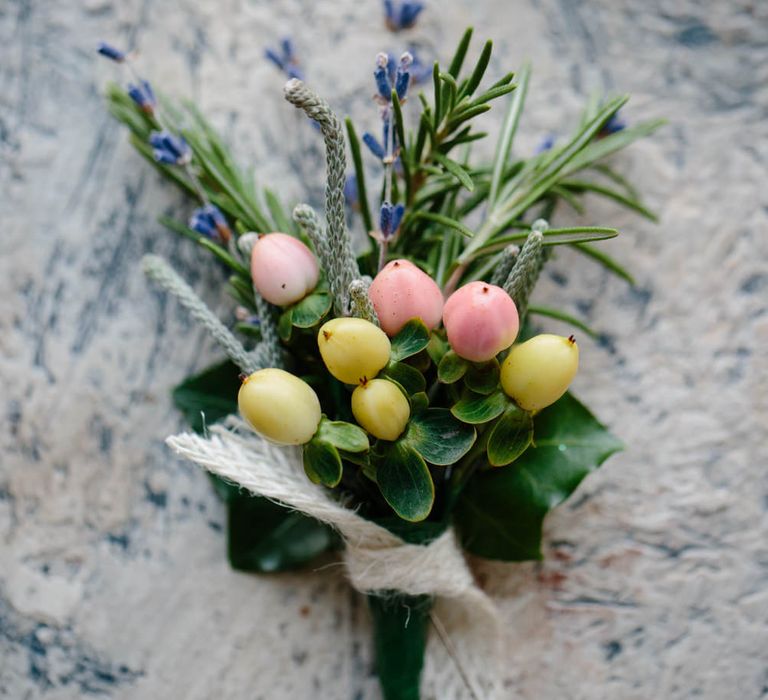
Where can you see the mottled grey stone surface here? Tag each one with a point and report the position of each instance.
(113, 578)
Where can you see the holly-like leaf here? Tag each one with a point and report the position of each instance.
(342, 435)
(510, 437)
(438, 437)
(500, 512)
(451, 368)
(436, 348)
(477, 409)
(263, 536)
(310, 310)
(412, 338)
(208, 396)
(483, 377)
(322, 463)
(405, 482)
(407, 377)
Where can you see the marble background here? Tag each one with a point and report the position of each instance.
(113, 578)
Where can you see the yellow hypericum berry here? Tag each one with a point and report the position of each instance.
(381, 408)
(354, 350)
(538, 372)
(279, 406)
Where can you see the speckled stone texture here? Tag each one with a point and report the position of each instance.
(113, 577)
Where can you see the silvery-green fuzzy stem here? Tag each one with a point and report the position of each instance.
(525, 272)
(505, 264)
(361, 304)
(343, 267)
(163, 274)
(270, 341)
(245, 245)
(305, 216)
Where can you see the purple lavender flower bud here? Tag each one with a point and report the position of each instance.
(403, 75)
(351, 196)
(419, 70)
(143, 95)
(546, 143)
(285, 59)
(409, 13)
(373, 145)
(390, 217)
(402, 17)
(110, 52)
(381, 75)
(210, 222)
(614, 124)
(170, 149)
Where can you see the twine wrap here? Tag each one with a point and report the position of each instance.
(375, 559)
(342, 267)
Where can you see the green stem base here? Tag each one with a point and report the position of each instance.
(400, 625)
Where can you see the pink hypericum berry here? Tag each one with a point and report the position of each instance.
(480, 320)
(284, 270)
(400, 292)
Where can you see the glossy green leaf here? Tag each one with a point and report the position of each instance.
(483, 377)
(439, 437)
(405, 482)
(451, 368)
(400, 624)
(412, 338)
(322, 463)
(510, 437)
(342, 435)
(310, 310)
(419, 402)
(437, 348)
(477, 408)
(265, 537)
(408, 377)
(208, 396)
(285, 325)
(500, 512)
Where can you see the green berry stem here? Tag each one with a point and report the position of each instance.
(525, 273)
(505, 265)
(361, 304)
(342, 267)
(163, 274)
